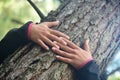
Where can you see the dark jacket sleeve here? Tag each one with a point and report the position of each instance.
(90, 72)
(13, 40)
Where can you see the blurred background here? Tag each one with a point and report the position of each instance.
(14, 13)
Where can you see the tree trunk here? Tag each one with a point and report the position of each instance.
(98, 20)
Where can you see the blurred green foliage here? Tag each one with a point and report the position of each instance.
(115, 76)
(114, 65)
(14, 13)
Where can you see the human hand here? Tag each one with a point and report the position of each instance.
(72, 54)
(43, 35)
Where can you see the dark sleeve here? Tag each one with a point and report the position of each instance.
(103, 75)
(13, 40)
(89, 72)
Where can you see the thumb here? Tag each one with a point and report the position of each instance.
(86, 45)
(51, 24)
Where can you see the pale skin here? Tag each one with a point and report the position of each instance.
(67, 51)
(73, 54)
(43, 35)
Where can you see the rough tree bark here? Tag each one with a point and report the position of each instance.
(98, 20)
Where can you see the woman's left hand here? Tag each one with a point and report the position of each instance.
(73, 54)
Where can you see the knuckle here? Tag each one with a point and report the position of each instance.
(38, 41)
(74, 56)
(51, 30)
(56, 31)
(89, 52)
(46, 33)
(60, 40)
(40, 35)
(43, 25)
(71, 61)
(62, 52)
(75, 50)
(52, 44)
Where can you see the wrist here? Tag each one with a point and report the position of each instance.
(29, 30)
(84, 63)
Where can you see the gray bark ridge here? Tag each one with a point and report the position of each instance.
(98, 20)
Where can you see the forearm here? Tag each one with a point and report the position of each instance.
(13, 40)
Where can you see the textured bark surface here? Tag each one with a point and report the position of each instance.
(98, 20)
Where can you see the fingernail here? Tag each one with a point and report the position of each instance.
(47, 48)
(53, 48)
(60, 37)
(57, 56)
(68, 37)
(57, 47)
(54, 42)
(57, 21)
(65, 43)
(87, 40)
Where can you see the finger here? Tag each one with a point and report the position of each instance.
(62, 53)
(66, 60)
(86, 45)
(65, 47)
(70, 44)
(55, 38)
(59, 34)
(51, 24)
(49, 42)
(42, 44)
